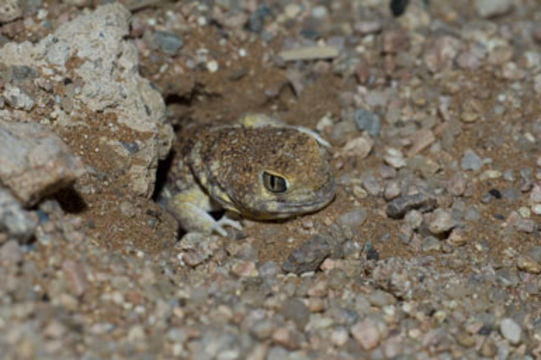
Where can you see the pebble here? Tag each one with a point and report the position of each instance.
(288, 338)
(212, 66)
(244, 268)
(17, 98)
(510, 330)
(319, 12)
(469, 60)
(457, 184)
(11, 253)
(430, 243)
(136, 334)
(296, 311)
(381, 298)
(359, 147)
(277, 353)
(309, 255)
(492, 8)
(14, 220)
(528, 264)
(509, 175)
(54, 329)
(309, 53)
(366, 333)
(168, 42)
(394, 157)
(421, 140)
(535, 194)
(442, 222)
(426, 166)
(392, 190)
(256, 22)
(270, 269)
(339, 336)
(366, 27)
(353, 219)
(525, 225)
(490, 174)
(393, 41)
(292, 10)
(457, 237)
(511, 193)
(489, 349)
(262, 329)
(471, 161)
(413, 219)
(371, 184)
(398, 207)
(366, 120)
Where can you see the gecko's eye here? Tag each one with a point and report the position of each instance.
(274, 183)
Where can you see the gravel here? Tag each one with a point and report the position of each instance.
(429, 249)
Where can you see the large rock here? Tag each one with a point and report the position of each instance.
(34, 162)
(10, 10)
(90, 70)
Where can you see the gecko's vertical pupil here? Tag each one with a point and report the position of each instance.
(274, 183)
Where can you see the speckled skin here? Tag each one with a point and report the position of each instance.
(224, 165)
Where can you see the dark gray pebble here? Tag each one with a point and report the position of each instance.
(367, 121)
(400, 206)
(308, 256)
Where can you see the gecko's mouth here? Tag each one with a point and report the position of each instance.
(296, 203)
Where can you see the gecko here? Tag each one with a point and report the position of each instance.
(259, 168)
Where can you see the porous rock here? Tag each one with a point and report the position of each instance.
(35, 162)
(93, 52)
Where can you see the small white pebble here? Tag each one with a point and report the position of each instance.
(510, 330)
(292, 10)
(490, 174)
(42, 14)
(536, 209)
(201, 21)
(529, 137)
(212, 66)
(242, 52)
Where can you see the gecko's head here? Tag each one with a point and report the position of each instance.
(285, 173)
